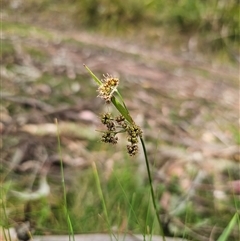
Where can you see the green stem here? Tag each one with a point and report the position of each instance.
(151, 188)
(97, 80)
(63, 186)
(95, 172)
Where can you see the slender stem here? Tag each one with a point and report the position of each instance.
(151, 188)
(95, 172)
(97, 80)
(63, 185)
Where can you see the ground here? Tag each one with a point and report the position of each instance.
(186, 103)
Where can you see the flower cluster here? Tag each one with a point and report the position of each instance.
(117, 125)
(107, 88)
(110, 135)
(134, 132)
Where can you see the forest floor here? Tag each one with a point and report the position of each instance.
(187, 105)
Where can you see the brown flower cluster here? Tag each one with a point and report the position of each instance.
(134, 132)
(110, 135)
(117, 125)
(107, 88)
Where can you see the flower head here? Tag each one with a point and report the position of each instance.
(107, 88)
(109, 137)
(118, 124)
(132, 149)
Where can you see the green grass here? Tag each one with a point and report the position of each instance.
(183, 15)
(234, 221)
(7, 53)
(24, 30)
(37, 53)
(215, 23)
(127, 202)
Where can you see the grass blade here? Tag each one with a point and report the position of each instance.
(95, 172)
(70, 227)
(97, 80)
(123, 111)
(228, 229)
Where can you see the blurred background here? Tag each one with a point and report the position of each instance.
(178, 65)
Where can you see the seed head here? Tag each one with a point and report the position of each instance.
(107, 88)
(132, 149)
(106, 118)
(109, 137)
(120, 119)
(111, 126)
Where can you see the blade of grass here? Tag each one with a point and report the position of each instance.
(121, 98)
(70, 228)
(131, 204)
(5, 216)
(5, 235)
(100, 193)
(147, 218)
(97, 80)
(228, 229)
(122, 110)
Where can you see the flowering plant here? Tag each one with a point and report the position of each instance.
(107, 90)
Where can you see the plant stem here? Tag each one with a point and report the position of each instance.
(64, 187)
(151, 188)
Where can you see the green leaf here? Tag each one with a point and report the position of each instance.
(228, 229)
(121, 98)
(97, 80)
(123, 111)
